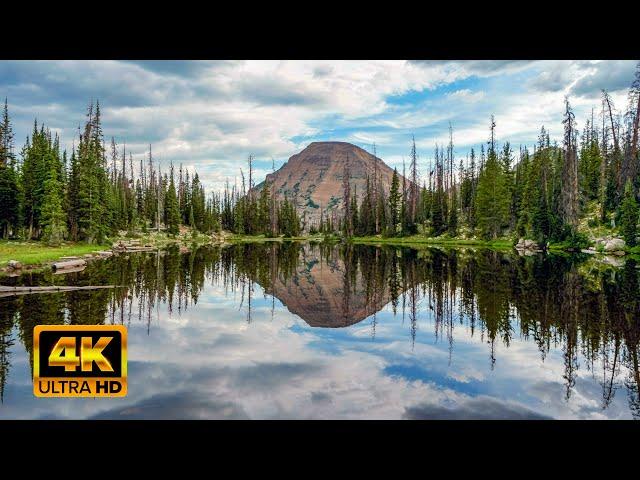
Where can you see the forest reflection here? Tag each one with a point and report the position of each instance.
(589, 313)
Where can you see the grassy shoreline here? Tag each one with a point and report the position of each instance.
(38, 253)
(35, 255)
(435, 241)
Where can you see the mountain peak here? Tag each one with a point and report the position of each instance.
(313, 178)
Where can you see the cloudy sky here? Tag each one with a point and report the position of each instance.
(210, 115)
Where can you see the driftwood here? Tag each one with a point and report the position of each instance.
(14, 291)
(132, 246)
(68, 264)
(68, 270)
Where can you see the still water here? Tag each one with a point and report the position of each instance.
(279, 331)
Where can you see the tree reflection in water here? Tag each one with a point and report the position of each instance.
(558, 302)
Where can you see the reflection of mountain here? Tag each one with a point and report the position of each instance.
(326, 293)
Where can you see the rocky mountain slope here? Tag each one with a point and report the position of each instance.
(313, 178)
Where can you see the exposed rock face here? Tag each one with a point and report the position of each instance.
(313, 178)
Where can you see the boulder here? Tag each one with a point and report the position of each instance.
(14, 265)
(589, 251)
(529, 245)
(614, 245)
(119, 246)
(613, 261)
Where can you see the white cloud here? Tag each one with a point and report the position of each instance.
(467, 96)
(212, 115)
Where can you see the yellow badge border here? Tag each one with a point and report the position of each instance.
(61, 328)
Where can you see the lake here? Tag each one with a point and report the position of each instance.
(302, 331)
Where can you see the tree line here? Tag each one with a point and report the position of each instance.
(97, 191)
(541, 196)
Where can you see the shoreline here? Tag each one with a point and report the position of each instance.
(35, 256)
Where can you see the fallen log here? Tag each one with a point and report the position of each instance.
(141, 249)
(68, 270)
(14, 291)
(68, 264)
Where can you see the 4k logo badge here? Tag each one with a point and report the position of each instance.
(80, 361)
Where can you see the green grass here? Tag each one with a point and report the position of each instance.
(634, 250)
(415, 240)
(263, 238)
(502, 244)
(36, 253)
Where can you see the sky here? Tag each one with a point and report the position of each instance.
(211, 115)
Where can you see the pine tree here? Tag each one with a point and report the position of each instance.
(172, 213)
(394, 204)
(346, 200)
(404, 210)
(452, 226)
(629, 216)
(53, 217)
(411, 226)
(10, 193)
(380, 210)
(197, 202)
(264, 210)
(192, 221)
(439, 200)
(506, 159)
(94, 203)
(492, 196)
(589, 163)
(355, 215)
(542, 220)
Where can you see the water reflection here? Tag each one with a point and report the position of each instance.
(459, 328)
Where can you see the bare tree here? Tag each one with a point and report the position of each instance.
(413, 188)
(635, 98)
(569, 202)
